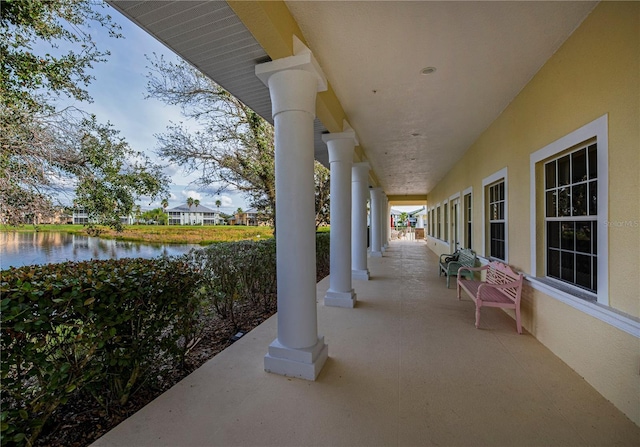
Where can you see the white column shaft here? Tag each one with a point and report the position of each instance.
(375, 239)
(359, 196)
(295, 246)
(341, 148)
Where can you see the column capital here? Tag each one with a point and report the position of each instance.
(340, 147)
(360, 172)
(302, 59)
(347, 134)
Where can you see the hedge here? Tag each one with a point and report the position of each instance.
(104, 327)
(98, 326)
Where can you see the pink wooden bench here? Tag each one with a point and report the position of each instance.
(502, 287)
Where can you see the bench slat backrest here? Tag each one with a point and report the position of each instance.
(467, 257)
(499, 273)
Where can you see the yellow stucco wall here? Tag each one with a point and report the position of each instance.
(595, 72)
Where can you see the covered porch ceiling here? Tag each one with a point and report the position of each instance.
(412, 127)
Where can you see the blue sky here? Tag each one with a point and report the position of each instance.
(118, 92)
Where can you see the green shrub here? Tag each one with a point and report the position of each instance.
(233, 272)
(323, 257)
(98, 326)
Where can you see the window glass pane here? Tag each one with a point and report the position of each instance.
(564, 170)
(550, 175)
(594, 237)
(564, 206)
(553, 234)
(579, 166)
(583, 271)
(566, 266)
(593, 161)
(501, 210)
(593, 198)
(501, 188)
(583, 237)
(567, 236)
(553, 263)
(594, 275)
(491, 194)
(579, 199)
(551, 203)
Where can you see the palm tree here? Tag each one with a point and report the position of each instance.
(196, 202)
(189, 204)
(165, 205)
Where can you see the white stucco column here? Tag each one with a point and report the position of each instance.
(293, 84)
(384, 222)
(359, 196)
(420, 223)
(376, 222)
(341, 146)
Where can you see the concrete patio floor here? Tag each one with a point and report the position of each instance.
(406, 367)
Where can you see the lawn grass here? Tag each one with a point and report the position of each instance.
(173, 234)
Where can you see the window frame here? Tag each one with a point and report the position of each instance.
(496, 177)
(445, 221)
(597, 129)
(438, 221)
(467, 214)
(454, 215)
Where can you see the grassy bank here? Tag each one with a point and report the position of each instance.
(203, 235)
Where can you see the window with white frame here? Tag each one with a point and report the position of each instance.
(446, 221)
(497, 221)
(468, 227)
(569, 192)
(571, 222)
(439, 223)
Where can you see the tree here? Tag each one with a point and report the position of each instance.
(47, 152)
(322, 181)
(403, 219)
(189, 204)
(235, 146)
(164, 203)
(218, 203)
(156, 215)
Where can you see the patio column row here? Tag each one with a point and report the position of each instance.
(293, 83)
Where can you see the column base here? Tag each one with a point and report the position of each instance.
(304, 363)
(361, 275)
(340, 299)
(375, 254)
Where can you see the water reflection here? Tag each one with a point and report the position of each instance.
(18, 249)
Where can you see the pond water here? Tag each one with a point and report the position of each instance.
(19, 249)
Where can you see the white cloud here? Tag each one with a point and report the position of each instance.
(186, 193)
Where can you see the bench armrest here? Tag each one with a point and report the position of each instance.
(444, 255)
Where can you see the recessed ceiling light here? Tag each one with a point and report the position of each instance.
(428, 70)
(415, 134)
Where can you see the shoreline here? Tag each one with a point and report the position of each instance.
(159, 234)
